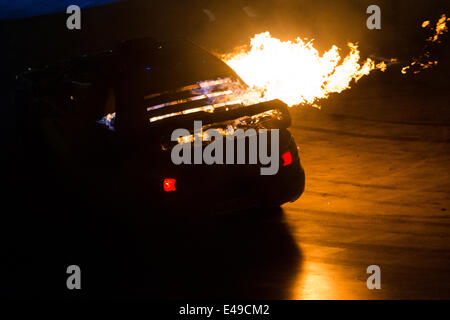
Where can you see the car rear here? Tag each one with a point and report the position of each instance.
(115, 113)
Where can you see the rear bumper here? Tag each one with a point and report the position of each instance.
(262, 191)
(223, 188)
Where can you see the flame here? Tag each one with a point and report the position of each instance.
(294, 71)
(425, 61)
(441, 28)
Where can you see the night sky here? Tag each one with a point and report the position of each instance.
(26, 8)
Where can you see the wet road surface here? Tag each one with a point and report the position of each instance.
(377, 193)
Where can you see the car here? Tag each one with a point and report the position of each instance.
(103, 123)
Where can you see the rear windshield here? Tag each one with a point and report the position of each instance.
(180, 64)
(171, 80)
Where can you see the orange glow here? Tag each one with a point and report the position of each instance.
(441, 27)
(294, 71)
(425, 61)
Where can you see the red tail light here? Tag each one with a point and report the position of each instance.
(287, 158)
(169, 184)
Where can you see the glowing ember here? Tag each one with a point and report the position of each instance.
(294, 71)
(424, 61)
(441, 28)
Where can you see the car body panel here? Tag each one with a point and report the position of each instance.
(94, 115)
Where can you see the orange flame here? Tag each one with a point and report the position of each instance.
(441, 28)
(294, 71)
(424, 61)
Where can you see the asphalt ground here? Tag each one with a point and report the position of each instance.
(377, 187)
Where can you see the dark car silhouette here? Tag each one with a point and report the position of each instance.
(103, 123)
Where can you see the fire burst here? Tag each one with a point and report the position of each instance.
(440, 29)
(295, 72)
(425, 61)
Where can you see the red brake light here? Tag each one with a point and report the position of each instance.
(169, 184)
(287, 158)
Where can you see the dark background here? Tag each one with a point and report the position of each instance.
(242, 256)
(36, 41)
